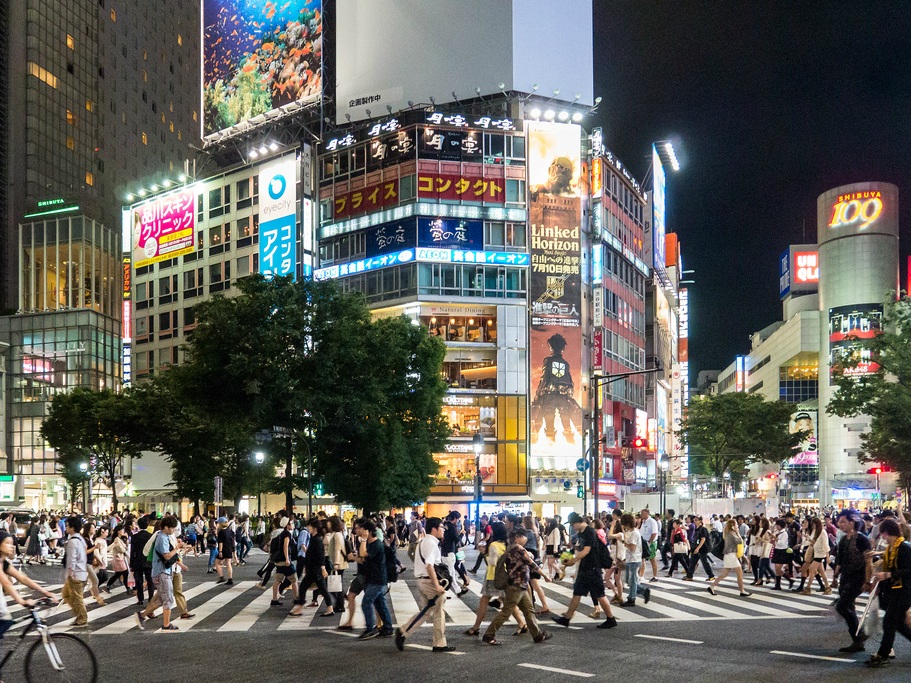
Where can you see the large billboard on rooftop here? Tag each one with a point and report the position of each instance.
(258, 55)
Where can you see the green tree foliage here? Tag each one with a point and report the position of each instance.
(98, 427)
(885, 395)
(732, 430)
(366, 397)
(68, 461)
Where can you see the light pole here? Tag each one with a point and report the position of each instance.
(260, 457)
(727, 476)
(478, 442)
(663, 464)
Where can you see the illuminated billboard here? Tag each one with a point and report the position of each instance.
(658, 210)
(278, 217)
(257, 56)
(804, 420)
(848, 327)
(163, 228)
(555, 292)
(798, 270)
(857, 209)
(740, 374)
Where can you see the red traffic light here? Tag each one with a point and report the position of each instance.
(772, 476)
(639, 443)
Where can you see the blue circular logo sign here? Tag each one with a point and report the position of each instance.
(277, 186)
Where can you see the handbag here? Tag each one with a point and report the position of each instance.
(681, 547)
(334, 583)
(808, 554)
(120, 564)
(460, 555)
(740, 550)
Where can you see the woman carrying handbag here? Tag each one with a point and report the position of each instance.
(680, 546)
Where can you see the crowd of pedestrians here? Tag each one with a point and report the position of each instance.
(611, 560)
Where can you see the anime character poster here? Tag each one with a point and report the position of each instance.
(804, 420)
(555, 293)
(258, 56)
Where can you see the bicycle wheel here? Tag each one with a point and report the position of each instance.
(77, 659)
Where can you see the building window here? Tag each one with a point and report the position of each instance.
(70, 143)
(178, 136)
(145, 76)
(194, 115)
(145, 140)
(179, 40)
(70, 43)
(70, 118)
(172, 123)
(113, 15)
(89, 178)
(144, 55)
(89, 105)
(49, 78)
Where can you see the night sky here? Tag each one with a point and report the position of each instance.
(773, 103)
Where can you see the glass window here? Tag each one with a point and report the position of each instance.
(467, 420)
(243, 266)
(215, 198)
(164, 286)
(515, 190)
(215, 235)
(215, 273)
(164, 321)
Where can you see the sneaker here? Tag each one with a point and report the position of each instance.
(629, 603)
(399, 639)
(648, 595)
(221, 579)
(654, 579)
(368, 634)
(440, 648)
(563, 621)
(876, 662)
(856, 646)
(275, 603)
(229, 582)
(495, 603)
(610, 622)
(141, 620)
(545, 635)
(688, 578)
(170, 627)
(490, 640)
(710, 578)
(187, 616)
(386, 633)
(345, 627)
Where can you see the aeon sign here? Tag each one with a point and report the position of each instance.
(806, 266)
(859, 209)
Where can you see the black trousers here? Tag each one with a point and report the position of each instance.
(694, 560)
(682, 560)
(894, 621)
(320, 582)
(138, 575)
(849, 590)
(119, 575)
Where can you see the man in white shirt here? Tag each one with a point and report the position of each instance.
(76, 571)
(427, 555)
(717, 525)
(651, 531)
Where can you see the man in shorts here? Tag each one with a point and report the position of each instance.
(162, 577)
(358, 583)
(651, 532)
(589, 577)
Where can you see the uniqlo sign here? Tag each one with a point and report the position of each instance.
(806, 267)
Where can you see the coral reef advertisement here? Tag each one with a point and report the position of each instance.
(258, 56)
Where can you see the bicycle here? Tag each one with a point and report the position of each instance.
(54, 656)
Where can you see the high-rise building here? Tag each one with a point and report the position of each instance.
(100, 98)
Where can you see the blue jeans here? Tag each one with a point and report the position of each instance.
(632, 579)
(374, 596)
(213, 553)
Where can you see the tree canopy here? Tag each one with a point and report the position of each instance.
(363, 397)
(733, 430)
(884, 395)
(99, 428)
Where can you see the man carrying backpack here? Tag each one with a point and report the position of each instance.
(415, 534)
(589, 576)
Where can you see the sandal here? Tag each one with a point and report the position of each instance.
(522, 631)
(473, 632)
(543, 611)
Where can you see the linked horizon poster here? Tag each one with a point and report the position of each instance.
(555, 293)
(258, 55)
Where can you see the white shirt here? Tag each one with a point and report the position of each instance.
(633, 538)
(428, 552)
(718, 526)
(781, 539)
(649, 528)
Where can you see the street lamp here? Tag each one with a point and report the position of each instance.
(259, 457)
(86, 500)
(663, 464)
(478, 442)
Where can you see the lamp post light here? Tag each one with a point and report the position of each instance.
(663, 464)
(478, 442)
(727, 477)
(84, 468)
(259, 457)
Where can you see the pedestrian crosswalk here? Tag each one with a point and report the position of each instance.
(244, 607)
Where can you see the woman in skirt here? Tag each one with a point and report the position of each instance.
(732, 541)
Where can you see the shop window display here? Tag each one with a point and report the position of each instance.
(479, 415)
(470, 329)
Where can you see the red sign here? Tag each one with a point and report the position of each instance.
(607, 488)
(597, 177)
(127, 271)
(806, 266)
(127, 323)
(465, 188)
(367, 199)
(597, 347)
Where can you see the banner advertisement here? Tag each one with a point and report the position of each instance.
(597, 349)
(164, 228)
(258, 56)
(555, 294)
(848, 326)
(389, 237)
(365, 200)
(452, 233)
(457, 187)
(278, 217)
(804, 420)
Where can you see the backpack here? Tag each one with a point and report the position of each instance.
(276, 551)
(392, 571)
(646, 551)
(602, 555)
(413, 532)
(500, 574)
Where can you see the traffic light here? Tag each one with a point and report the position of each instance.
(773, 476)
(638, 443)
(580, 492)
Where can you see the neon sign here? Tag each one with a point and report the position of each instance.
(860, 207)
(806, 266)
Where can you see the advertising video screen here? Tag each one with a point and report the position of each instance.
(257, 56)
(163, 228)
(848, 327)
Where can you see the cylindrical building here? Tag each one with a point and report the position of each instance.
(857, 234)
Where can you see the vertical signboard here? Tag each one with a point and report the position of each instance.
(740, 374)
(804, 420)
(848, 327)
(555, 292)
(658, 210)
(681, 382)
(278, 217)
(127, 334)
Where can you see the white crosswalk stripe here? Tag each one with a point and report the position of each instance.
(243, 607)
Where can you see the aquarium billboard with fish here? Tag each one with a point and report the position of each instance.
(257, 56)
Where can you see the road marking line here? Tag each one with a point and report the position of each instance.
(568, 672)
(344, 633)
(673, 640)
(244, 620)
(427, 647)
(799, 654)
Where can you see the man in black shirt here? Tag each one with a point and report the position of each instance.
(850, 566)
(372, 555)
(701, 548)
(589, 577)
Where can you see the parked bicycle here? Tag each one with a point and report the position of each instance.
(54, 656)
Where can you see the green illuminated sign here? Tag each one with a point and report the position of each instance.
(49, 202)
(52, 211)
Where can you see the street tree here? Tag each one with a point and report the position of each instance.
(305, 362)
(68, 466)
(731, 431)
(103, 428)
(883, 394)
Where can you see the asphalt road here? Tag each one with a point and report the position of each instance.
(238, 637)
